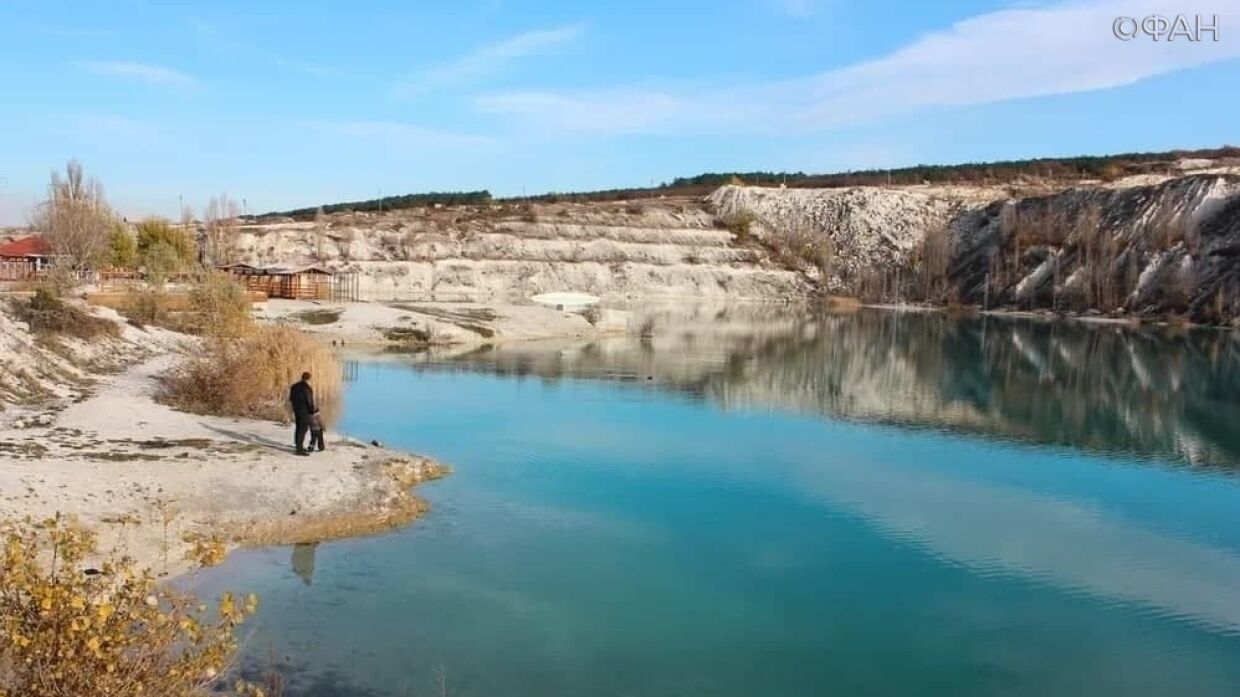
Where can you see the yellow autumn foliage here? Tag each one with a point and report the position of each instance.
(107, 631)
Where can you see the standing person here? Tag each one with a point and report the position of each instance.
(301, 398)
(316, 433)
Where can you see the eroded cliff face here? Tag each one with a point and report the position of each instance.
(660, 248)
(1156, 248)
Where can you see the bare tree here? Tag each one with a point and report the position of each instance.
(933, 257)
(320, 235)
(1098, 249)
(76, 220)
(221, 223)
(344, 243)
(190, 229)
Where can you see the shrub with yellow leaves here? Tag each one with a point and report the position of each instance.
(68, 630)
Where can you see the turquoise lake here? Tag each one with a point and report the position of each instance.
(757, 501)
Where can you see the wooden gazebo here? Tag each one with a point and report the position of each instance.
(305, 283)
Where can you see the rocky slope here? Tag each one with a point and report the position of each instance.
(1144, 247)
(670, 247)
(38, 370)
(1157, 245)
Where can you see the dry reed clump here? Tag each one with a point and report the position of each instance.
(740, 225)
(932, 262)
(798, 246)
(47, 314)
(112, 630)
(215, 306)
(219, 307)
(249, 377)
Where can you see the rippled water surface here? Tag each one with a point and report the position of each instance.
(759, 503)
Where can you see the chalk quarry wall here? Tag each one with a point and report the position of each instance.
(1169, 247)
(1163, 247)
(665, 248)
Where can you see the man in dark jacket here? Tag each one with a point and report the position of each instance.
(301, 397)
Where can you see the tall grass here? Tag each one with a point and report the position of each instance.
(250, 377)
(215, 306)
(932, 260)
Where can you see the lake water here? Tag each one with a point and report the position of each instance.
(759, 502)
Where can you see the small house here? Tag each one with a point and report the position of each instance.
(24, 259)
(305, 283)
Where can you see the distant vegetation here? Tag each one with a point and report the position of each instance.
(391, 203)
(1059, 169)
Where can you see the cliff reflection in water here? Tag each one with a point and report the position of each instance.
(1145, 392)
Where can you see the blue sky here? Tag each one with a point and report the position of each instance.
(290, 104)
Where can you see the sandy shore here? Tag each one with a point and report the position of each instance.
(147, 478)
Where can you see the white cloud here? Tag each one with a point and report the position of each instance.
(142, 72)
(488, 60)
(397, 133)
(224, 43)
(614, 111)
(1008, 54)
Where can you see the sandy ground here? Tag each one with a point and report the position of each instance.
(462, 324)
(148, 478)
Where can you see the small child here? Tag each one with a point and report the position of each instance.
(316, 432)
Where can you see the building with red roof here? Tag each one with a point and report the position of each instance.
(23, 259)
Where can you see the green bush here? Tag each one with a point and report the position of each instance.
(122, 249)
(161, 245)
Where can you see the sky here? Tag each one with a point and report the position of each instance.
(282, 104)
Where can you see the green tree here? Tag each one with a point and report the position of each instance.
(160, 261)
(163, 247)
(122, 248)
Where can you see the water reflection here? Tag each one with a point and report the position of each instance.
(592, 525)
(303, 561)
(1145, 392)
(1006, 531)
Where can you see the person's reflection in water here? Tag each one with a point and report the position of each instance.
(303, 561)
